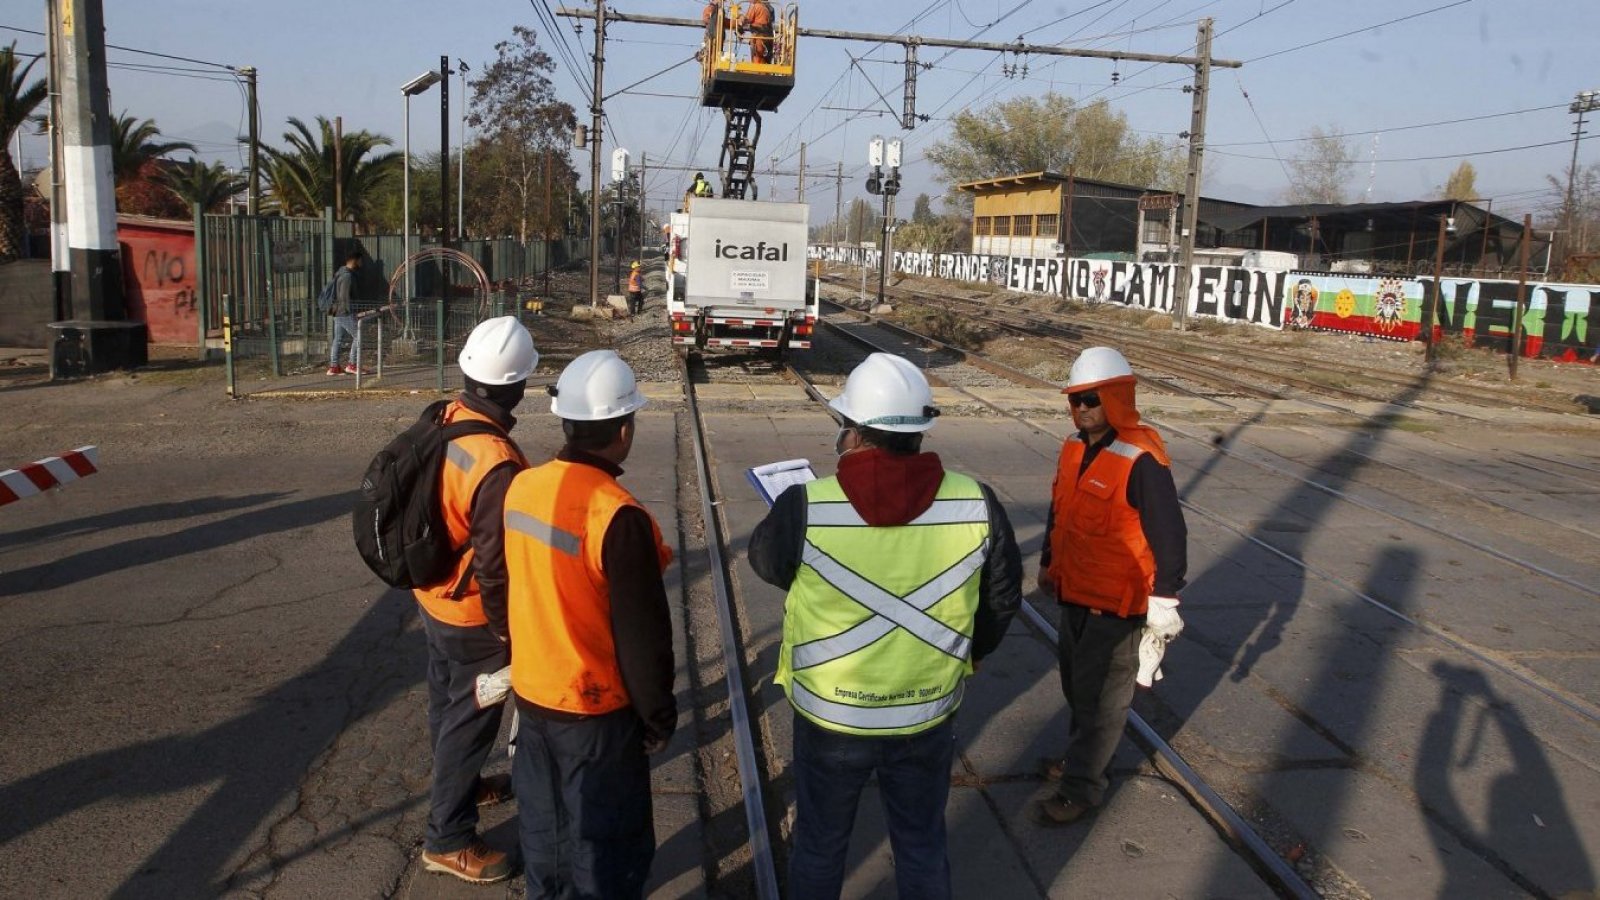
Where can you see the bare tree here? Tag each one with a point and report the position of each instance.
(1320, 172)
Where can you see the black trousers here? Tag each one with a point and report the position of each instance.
(462, 733)
(583, 806)
(635, 302)
(1099, 660)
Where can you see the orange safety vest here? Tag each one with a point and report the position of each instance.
(1098, 553)
(636, 281)
(563, 653)
(466, 461)
(758, 18)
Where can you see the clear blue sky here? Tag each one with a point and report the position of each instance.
(1477, 58)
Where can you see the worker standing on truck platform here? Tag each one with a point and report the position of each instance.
(757, 20)
(1114, 557)
(591, 637)
(464, 616)
(635, 289)
(902, 576)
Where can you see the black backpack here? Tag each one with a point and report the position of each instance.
(399, 525)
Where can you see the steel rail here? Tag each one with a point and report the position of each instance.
(1479, 546)
(1222, 814)
(763, 868)
(1227, 820)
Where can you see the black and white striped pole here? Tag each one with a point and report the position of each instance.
(99, 338)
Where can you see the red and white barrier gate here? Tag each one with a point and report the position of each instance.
(47, 473)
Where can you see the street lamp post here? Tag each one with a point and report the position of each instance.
(1584, 103)
(408, 90)
(881, 153)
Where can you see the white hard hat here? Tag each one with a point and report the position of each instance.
(1096, 366)
(888, 393)
(597, 385)
(498, 351)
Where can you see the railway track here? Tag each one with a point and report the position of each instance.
(1578, 705)
(897, 339)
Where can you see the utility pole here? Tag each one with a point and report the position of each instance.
(1191, 183)
(1585, 102)
(838, 202)
(253, 197)
(60, 268)
(461, 167)
(104, 339)
(444, 151)
(597, 111)
(338, 167)
(800, 183)
(644, 161)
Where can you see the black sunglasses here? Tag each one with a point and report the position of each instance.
(1087, 399)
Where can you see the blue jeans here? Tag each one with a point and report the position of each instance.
(584, 810)
(831, 768)
(345, 325)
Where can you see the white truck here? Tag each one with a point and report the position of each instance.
(736, 276)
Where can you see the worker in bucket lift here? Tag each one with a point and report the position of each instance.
(757, 21)
(1114, 557)
(902, 576)
(591, 646)
(464, 616)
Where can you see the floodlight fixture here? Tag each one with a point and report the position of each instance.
(420, 83)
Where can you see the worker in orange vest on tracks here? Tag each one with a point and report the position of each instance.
(591, 646)
(1114, 557)
(635, 289)
(464, 616)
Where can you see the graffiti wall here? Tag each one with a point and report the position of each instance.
(158, 276)
(1556, 321)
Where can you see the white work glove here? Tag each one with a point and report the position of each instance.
(492, 688)
(1162, 618)
(1151, 650)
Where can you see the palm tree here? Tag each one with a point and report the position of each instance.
(302, 177)
(18, 99)
(134, 147)
(198, 184)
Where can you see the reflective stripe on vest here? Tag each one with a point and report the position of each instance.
(878, 622)
(905, 612)
(543, 532)
(905, 717)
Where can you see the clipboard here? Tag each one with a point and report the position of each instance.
(773, 479)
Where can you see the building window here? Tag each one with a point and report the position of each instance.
(980, 226)
(1002, 226)
(1048, 226)
(1155, 230)
(1022, 226)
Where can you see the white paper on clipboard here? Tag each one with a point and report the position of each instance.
(773, 479)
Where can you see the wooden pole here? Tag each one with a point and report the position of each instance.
(1522, 294)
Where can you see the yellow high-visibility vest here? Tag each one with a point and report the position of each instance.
(877, 627)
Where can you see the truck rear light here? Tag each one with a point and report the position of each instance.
(679, 325)
(802, 330)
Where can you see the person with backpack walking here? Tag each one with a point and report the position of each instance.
(591, 646)
(341, 307)
(464, 614)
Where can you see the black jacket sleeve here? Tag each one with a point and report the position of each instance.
(641, 623)
(1152, 492)
(778, 540)
(488, 540)
(1000, 585)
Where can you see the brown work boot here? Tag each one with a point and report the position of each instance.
(477, 862)
(493, 789)
(1051, 767)
(1057, 812)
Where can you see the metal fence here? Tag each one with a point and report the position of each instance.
(260, 277)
